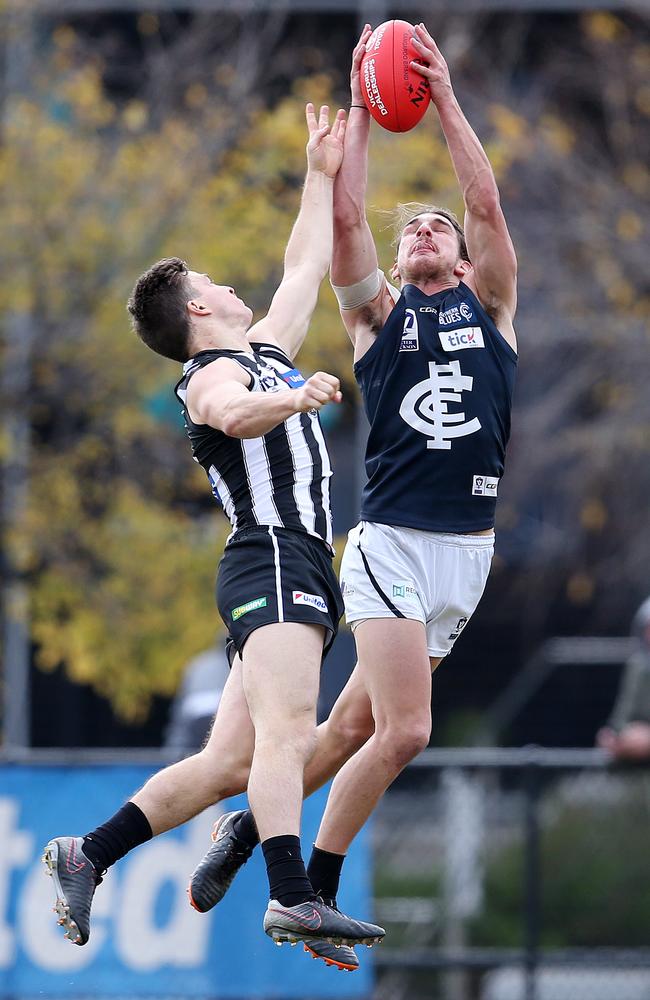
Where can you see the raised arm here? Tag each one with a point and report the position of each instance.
(494, 264)
(309, 248)
(364, 304)
(218, 396)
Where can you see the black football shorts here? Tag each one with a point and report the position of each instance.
(269, 575)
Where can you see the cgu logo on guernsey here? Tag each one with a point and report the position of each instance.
(461, 340)
(313, 600)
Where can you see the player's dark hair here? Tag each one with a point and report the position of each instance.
(410, 209)
(158, 307)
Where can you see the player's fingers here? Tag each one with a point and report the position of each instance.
(337, 397)
(338, 128)
(366, 32)
(423, 48)
(331, 381)
(310, 115)
(324, 116)
(422, 69)
(427, 37)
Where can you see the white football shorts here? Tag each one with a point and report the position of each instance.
(432, 577)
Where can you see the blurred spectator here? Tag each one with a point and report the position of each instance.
(197, 699)
(627, 733)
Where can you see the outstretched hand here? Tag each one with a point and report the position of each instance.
(356, 95)
(432, 65)
(325, 146)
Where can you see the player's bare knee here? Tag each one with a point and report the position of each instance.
(399, 744)
(351, 731)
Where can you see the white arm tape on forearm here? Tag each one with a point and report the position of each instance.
(354, 296)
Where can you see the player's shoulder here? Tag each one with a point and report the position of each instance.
(213, 367)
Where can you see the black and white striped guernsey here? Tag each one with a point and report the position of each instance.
(280, 479)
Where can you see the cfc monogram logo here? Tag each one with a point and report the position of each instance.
(425, 406)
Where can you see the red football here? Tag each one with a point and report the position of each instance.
(395, 94)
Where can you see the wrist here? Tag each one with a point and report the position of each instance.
(445, 100)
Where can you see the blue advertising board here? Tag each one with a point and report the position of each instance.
(146, 941)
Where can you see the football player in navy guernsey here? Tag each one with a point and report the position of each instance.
(253, 425)
(435, 360)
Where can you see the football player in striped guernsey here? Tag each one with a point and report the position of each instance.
(253, 425)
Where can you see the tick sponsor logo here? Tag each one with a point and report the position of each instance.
(243, 609)
(313, 600)
(461, 340)
(485, 486)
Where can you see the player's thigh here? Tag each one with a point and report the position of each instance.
(281, 672)
(395, 669)
(232, 730)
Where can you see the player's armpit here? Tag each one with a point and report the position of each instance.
(364, 323)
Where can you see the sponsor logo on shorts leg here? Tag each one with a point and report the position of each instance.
(313, 600)
(485, 486)
(346, 589)
(458, 627)
(404, 588)
(243, 609)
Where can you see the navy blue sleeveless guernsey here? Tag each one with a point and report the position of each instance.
(437, 387)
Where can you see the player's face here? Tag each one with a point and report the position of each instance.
(221, 300)
(428, 248)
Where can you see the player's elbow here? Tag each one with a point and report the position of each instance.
(348, 216)
(483, 201)
(232, 425)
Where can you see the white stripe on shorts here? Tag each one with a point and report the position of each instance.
(278, 575)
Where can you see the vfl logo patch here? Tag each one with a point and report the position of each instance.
(425, 407)
(410, 334)
(461, 340)
(243, 609)
(269, 379)
(485, 486)
(313, 600)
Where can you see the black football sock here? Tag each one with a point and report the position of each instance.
(288, 882)
(245, 829)
(324, 873)
(128, 828)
